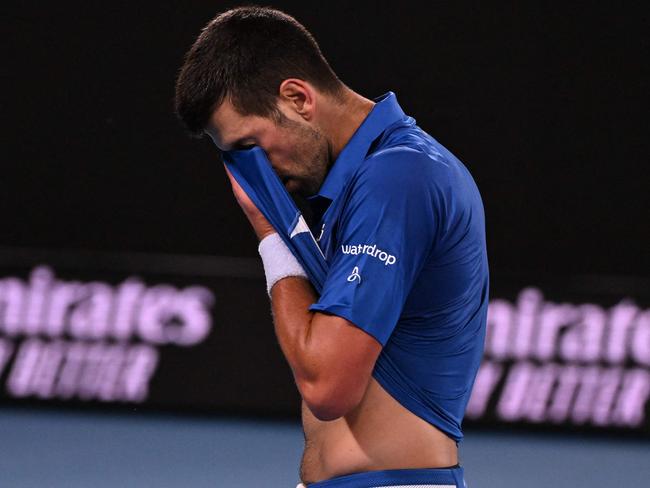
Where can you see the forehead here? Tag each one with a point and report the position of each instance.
(227, 126)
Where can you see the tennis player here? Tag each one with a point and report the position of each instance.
(386, 354)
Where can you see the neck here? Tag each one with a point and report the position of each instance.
(343, 119)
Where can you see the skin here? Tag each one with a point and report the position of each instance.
(351, 423)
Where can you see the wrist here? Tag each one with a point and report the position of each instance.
(263, 234)
(278, 260)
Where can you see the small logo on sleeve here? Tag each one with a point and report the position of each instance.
(370, 250)
(354, 276)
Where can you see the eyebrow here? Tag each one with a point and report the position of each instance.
(231, 145)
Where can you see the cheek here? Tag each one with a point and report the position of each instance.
(284, 153)
(281, 158)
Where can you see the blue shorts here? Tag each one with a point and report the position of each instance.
(420, 478)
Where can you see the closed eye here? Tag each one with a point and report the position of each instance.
(242, 144)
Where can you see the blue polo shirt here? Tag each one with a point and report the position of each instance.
(404, 236)
(401, 254)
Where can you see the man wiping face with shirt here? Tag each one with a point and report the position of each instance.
(380, 301)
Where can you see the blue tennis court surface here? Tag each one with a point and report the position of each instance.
(46, 448)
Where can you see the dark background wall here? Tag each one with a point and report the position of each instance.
(545, 103)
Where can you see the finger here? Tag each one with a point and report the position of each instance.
(232, 179)
(240, 195)
(236, 187)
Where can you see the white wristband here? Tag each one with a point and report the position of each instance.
(279, 262)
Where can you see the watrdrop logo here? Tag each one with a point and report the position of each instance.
(370, 250)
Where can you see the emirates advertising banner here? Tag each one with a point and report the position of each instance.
(195, 334)
(575, 364)
(163, 332)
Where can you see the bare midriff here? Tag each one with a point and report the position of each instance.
(378, 434)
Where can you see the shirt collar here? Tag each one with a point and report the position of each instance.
(385, 112)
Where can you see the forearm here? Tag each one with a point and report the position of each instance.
(290, 301)
(308, 341)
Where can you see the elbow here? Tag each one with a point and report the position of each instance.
(329, 402)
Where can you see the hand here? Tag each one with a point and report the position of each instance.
(261, 226)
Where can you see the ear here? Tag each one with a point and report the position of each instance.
(299, 97)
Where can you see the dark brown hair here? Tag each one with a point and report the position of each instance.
(244, 55)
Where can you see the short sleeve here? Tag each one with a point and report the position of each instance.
(385, 233)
